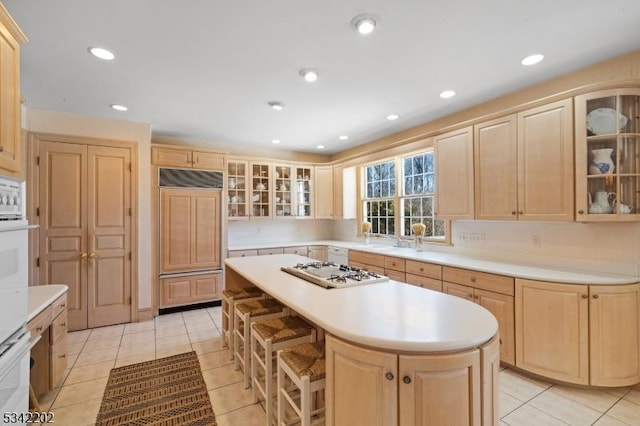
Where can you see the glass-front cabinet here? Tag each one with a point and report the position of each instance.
(260, 190)
(237, 190)
(302, 192)
(283, 187)
(608, 155)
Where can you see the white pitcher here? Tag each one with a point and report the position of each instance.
(602, 162)
(600, 204)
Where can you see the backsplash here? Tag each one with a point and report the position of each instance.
(277, 231)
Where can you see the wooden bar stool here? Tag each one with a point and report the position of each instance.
(229, 299)
(304, 366)
(267, 337)
(244, 314)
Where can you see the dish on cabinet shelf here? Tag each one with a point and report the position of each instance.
(603, 121)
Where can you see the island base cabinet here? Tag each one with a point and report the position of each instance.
(186, 290)
(367, 373)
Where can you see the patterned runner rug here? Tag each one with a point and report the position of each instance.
(166, 392)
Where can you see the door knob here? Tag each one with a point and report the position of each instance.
(93, 255)
(389, 376)
(83, 255)
(406, 379)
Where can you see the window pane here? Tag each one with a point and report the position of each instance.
(429, 162)
(429, 186)
(407, 167)
(417, 165)
(408, 186)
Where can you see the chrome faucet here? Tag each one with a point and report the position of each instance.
(399, 241)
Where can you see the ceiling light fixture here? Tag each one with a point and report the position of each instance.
(101, 53)
(320, 146)
(309, 74)
(364, 23)
(532, 59)
(278, 106)
(343, 137)
(447, 94)
(392, 117)
(275, 141)
(119, 107)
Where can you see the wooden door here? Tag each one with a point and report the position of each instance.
(496, 169)
(323, 192)
(454, 174)
(206, 222)
(369, 374)
(440, 389)
(614, 335)
(545, 163)
(63, 223)
(552, 330)
(501, 306)
(109, 227)
(209, 160)
(490, 367)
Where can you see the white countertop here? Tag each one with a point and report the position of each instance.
(389, 315)
(532, 272)
(41, 296)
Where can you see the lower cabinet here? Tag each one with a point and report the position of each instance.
(582, 334)
(320, 253)
(369, 261)
(425, 275)
(397, 389)
(189, 289)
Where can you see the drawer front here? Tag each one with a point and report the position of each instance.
(482, 280)
(302, 251)
(59, 328)
(424, 282)
(205, 287)
(394, 263)
(268, 251)
(395, 275)
(458, 290)
(424, 269)
(60, 305)
(40, 323)
(243, 253)
(367, 258)
(58, 362)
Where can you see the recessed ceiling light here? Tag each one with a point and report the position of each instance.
(392, 117)
(532, 59)
(276, 105)
(320, 146)
(343, 137)
(309, 74)
(101, 53)
(447, 94)
(365, 23)
(275, 141)
(119, 107)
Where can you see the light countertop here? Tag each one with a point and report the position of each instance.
(532, 272)
(388, 315)
(41, 296)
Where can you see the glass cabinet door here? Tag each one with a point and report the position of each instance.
(302, 192)
(283, 187)
(260, 187)
(608, 156)
(237, 190)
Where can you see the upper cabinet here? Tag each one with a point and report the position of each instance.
(10, 144)
(324, 188)
(524, 165)
(608, 155)
(454, 174)
(187, 158)
(238, 189)
(260, 178)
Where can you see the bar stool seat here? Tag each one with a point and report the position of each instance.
(246, 313)
(267, 337)
(305, 367)
(229, 298)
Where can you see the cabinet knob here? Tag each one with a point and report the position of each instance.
(500, 340)
(39, 328)
(406, 379)
(1, 148)
(389, 375)
(513, 212)
(473, 280)
(520, 212)
(585, 296)
(421, 269)
(63, 356)
(595, 296)
(580, 211)
(93, 255)
(83, 255)
(64, 305)
(470, 296)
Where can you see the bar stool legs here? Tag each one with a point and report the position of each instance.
(229, 299)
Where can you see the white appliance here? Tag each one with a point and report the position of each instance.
(14, 336)
(338, 255)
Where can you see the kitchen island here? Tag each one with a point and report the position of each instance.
(396, 354)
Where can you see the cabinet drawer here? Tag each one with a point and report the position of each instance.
(423, 269)
(60, 305)
(58, 362)
(395, 275)
(394, 263)
(40, 323)
(483, 280)
(59, 328)
(205, 287)
(367, 258)
(268, 251)
(424, 282)
(302, 251)
(243, 253)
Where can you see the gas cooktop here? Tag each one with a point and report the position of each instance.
(330, 275)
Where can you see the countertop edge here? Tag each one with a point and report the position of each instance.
(41, 296)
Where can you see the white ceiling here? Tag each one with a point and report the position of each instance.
(203, 70)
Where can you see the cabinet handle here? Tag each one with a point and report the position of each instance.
(595, 296)
(473, 280)
(63, 356)
(585, 296)
(500, 340)
(421, 269)
(64, 324)
(520, 212)
(513, 212)
(64, 305)
(1, 148)
(580, 211)
(470, 296)
(93, 255)
(389, 375)
(83, 255)
(39, 328)
(406, 379)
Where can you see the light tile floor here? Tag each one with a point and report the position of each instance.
(92, 353)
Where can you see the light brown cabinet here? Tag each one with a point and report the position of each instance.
(493, 292)
(577, 333)
(423, 274)
(320, 253)
(407, 390)
(189, 289)
(10, 142)
(607, 149)
(365, 260)
(394, 268)
(454, 174)
(323, 192)
(187, 158)
(238, 189)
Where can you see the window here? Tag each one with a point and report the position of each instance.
(390, 207)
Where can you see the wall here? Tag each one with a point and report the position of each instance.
(55, 122)
(248, 232)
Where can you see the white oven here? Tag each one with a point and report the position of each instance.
(14, 336)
